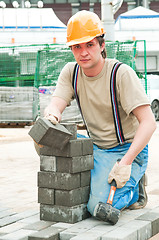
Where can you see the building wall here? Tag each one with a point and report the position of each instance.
(154, 5)
(64, 9)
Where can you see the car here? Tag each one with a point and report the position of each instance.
(153, 93)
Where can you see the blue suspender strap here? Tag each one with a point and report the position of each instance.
(117, 121)
(74, 85)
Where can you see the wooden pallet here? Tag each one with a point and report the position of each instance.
(15, 124)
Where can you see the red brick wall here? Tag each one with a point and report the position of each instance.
(154, 6)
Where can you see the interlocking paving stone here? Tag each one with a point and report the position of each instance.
(6, 213)
(8, 220)
(62, 181)
(17, 235)
(12, 227)
(87, 236)
(72, 197)
(46, 133)
(39, 225)
(66, 164)
(31, 219)
(50, 233)
(72, 128)
(46, 196)
(47, 163)
(85, 178)
(72, 149)
(63, 214)
(143, 228)
(152, 217)
(120, 233)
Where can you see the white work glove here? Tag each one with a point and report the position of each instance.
(120, 173)
(52, 118)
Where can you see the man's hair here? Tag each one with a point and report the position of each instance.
(101, 40)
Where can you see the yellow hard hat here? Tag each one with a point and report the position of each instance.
(83, 27)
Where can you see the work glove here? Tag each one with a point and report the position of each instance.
(52, 118)
(120, 173)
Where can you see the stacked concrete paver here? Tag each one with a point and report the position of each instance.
(64, 177)
(64, 180)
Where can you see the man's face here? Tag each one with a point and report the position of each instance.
(88, 55)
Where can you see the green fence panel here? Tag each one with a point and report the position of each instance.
(36, 66)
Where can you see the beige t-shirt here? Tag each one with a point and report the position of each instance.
(95, 100)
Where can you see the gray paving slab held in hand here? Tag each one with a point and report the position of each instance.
(72, 128)
(46, 133)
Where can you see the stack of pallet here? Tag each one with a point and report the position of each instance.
(64, 177)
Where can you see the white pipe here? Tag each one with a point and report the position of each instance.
(107, 17)
(145, 4)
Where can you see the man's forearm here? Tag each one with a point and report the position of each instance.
(55, 108)
(147, 126)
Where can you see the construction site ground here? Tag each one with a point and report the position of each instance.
(19, 208)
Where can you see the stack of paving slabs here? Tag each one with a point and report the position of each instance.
(64, 177)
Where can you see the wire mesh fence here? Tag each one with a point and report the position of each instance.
(37, 67)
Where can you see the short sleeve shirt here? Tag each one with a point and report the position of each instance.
(95, 100)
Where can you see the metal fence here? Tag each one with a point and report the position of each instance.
(37, 67)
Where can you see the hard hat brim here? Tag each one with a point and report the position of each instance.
(81, 40)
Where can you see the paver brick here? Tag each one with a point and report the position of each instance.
(67, 235)
(153, 217)
(63, 214)
(87, 146)
(75, 164)
(46, 133)
(85, 178)
(8, 220)
(65, 181)
(12, 227)
(31, 219)
(50, 233)
(47, 163)
(66, 164)
(72, 128)
(46, 196)
(120, 233)
(6, 213)
(72, 197)
(18, 235)
(143, 228)
(87, 236)
(39, 225)
(72, 149)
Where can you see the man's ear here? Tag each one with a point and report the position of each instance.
(103, 46)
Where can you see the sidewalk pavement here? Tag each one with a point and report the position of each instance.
(19, 210)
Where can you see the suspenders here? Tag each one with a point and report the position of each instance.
(116, 115)
(115, 110)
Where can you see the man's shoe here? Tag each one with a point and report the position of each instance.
(142, 201)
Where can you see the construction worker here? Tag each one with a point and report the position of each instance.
(96, 94)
